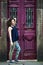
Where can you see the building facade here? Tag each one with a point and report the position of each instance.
(29, 24)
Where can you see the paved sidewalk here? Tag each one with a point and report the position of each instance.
(23, 63)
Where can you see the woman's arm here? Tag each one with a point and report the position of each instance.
(9, 31)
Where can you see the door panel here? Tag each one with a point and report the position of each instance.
(25, 12)
(29, 34)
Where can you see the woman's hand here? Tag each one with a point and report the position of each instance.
(11, 43)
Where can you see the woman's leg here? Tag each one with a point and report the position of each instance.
(11, 52)
(17, 46)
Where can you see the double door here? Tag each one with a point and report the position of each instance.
(25, 12)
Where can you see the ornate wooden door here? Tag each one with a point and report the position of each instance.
(25, 12)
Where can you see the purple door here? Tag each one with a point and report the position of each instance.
(25, 12)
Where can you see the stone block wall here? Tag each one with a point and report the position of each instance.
(3, 39)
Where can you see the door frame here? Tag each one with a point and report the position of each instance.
(19, 16)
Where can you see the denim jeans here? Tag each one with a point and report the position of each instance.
(17, 46)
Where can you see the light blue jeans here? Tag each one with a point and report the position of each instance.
(17, 46)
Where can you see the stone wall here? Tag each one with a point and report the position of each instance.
(40, 30)
(3, 40)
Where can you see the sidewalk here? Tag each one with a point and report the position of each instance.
(23, 63)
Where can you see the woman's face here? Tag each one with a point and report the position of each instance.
(13, 22)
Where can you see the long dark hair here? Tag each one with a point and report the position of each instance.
(9, 22)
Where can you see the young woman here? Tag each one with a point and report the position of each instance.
(13, 36)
